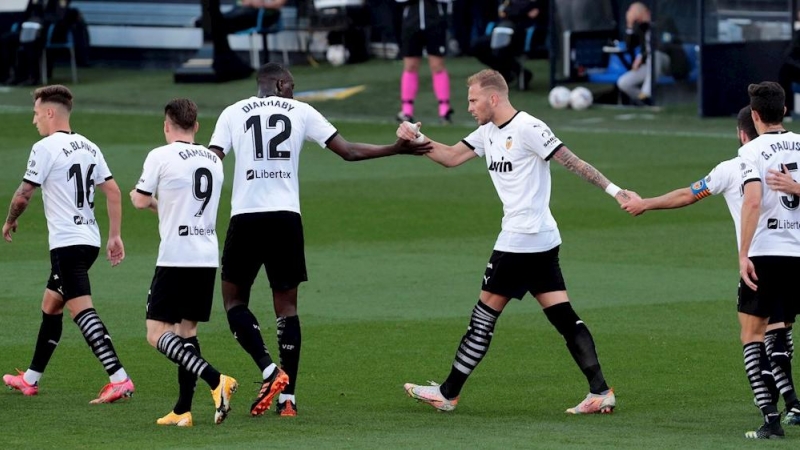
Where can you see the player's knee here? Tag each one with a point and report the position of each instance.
(563, 318)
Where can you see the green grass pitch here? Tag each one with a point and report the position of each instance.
(396, 248)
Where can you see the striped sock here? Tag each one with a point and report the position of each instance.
(99, 341)
(187, 381)
(472, 349)
(757, 368)
(775, 343)
(173, 346)
(789, 343)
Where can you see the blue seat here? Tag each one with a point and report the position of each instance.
(263, 31)
(694, 66)
(526, 50)
(68, 44)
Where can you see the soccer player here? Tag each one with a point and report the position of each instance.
(186, 179)
(68, 167)
(725, 179)
(769, 254)
(518, 148)
(424, 26)
(266, 133)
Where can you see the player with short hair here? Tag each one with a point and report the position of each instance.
(69, 168)
(267, 132)
(769, 253)
(182, 182)
(424, 27)
(725, 179)
(518, 148)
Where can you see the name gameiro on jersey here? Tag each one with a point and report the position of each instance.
(267, 135)
(68, 167)
(187, 180)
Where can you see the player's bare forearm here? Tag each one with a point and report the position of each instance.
(671, 200)
(20, 201)
(580, 167)
(114, 206)
(751, 209)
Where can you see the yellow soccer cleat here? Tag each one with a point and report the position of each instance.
(222, 397)
(177, 420)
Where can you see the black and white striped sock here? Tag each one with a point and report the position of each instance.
(775, 343)
(759, 374)
(99, 341)
(789, 343)
(173, 347)
(471, 350)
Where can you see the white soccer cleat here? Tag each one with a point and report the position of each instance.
(596, 403)
(430, 395)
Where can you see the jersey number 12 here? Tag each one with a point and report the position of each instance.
(254, 122)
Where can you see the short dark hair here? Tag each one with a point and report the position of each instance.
(270, 71)
(182, 112)
(744, 121)
(54, 94)
(768, 100)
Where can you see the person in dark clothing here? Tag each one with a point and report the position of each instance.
(9, 41)
(245, 14)
(790, 72)
(500, 52)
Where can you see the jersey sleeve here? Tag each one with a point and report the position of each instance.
(222, 136)
(475, 142)
(148, 182)
(538, 138)
(102, 172)
(318, 128)
(748, 166)
(40, 162)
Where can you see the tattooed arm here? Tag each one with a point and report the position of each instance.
(18, 205)
(586, 171)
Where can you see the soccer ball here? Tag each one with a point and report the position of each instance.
(337, 55)
(580, 98)
(559, 97)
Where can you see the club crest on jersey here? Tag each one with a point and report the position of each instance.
(509, 143)
(698, 186)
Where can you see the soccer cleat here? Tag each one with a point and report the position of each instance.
(771, 429)
(431, 395)
(404, 117)
(596, 403)
(222, 397)
(270, 387)
(792, 416)
(286, 409)
(114, 391)
(178, 420)
(447, 119)
(18, 382)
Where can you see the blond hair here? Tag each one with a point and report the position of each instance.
(491, 79)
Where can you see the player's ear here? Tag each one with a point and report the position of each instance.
(196, 127)
(166, 126)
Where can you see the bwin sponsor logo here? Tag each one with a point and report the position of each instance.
(80, 220)
(502, 166)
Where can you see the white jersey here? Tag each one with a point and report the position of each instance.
(267, 135)
(187, 180)
(778, 230)
(517, 155)
(69, 168)
(725, 179)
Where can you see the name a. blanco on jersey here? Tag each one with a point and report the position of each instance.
(190, 153)
(259, 174)
(262, 103)
(186, 230)
(79, 145)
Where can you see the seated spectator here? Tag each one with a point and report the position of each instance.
(9, 41)
(670, 58)
(245, 15)
(501, 54)
(25, 46)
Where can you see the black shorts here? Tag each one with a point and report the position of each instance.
(513, 274)
(433, 37)
(179, 293)
(775, 297)
(271, 239)
(69, 270)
